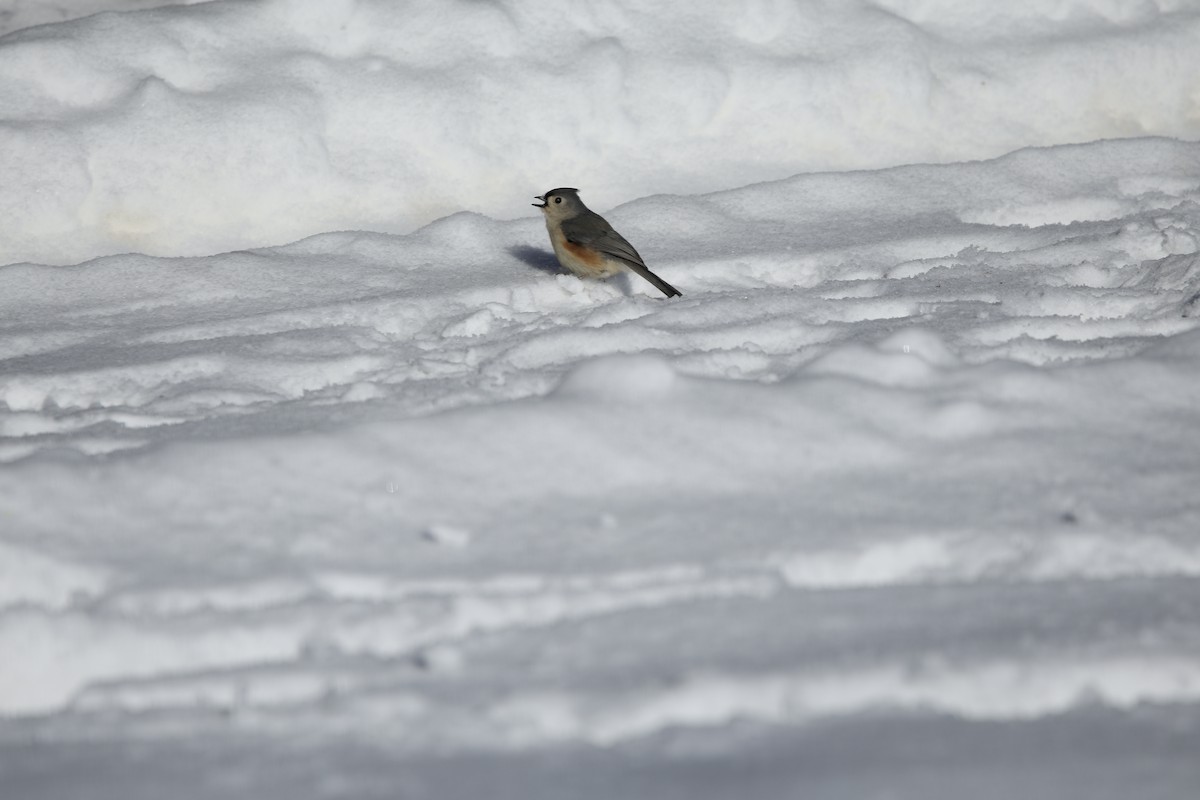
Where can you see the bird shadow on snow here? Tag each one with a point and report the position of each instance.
(537, 258)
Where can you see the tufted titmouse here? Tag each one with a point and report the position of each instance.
(587, 245)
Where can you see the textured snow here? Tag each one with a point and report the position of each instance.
(319, 479)
(217, 126)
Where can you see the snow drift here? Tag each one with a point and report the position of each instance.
(207, 128)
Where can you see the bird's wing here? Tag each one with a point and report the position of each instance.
(591, 230)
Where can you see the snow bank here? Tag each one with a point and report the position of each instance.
(189, 130)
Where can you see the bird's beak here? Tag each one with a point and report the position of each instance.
(542, 198)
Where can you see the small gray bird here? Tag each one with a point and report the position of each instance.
(587, 245)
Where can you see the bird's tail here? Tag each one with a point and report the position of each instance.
(659, 283)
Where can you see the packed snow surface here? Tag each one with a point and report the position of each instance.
(898, 499)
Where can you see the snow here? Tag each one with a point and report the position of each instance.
(192, 130)
(318, 478)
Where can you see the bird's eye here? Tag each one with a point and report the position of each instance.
(558, 199)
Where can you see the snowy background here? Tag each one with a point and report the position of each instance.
(317, 479)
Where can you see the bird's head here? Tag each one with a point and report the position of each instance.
(560, 203)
